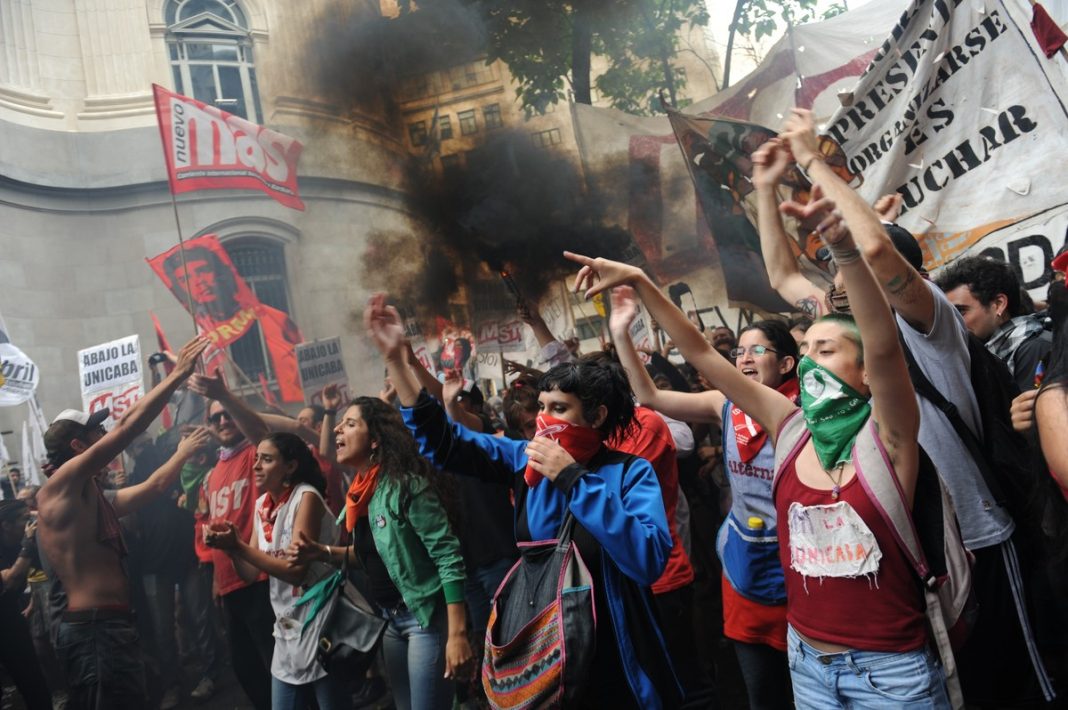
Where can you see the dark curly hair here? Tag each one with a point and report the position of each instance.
(293, 449)
(782, 342)
(398, 455)
(596, 379)
(985, 278)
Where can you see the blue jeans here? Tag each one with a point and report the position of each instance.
(479, 588)
(867, 679)
(415, 661)
(328, 691)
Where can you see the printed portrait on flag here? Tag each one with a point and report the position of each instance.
(223, 304)
(225, 308)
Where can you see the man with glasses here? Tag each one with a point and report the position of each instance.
(229, 494)
(79, 534)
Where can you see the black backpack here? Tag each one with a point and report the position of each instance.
(1003, 456)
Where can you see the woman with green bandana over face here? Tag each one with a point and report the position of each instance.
(857, 634)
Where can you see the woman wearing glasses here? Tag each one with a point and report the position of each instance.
(754, 591)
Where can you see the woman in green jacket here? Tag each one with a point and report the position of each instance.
(404, 543)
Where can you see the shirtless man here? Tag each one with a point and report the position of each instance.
(79, 533)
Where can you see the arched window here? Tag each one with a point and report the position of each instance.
(210, 50)
(262, 264)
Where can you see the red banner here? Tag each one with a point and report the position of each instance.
(223, 304)
(209, 149)
(225, 308)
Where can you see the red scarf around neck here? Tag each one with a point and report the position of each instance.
(749, 435)
(268, 511)
(582, 442)
(359, 496)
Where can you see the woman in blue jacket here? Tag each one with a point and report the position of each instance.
(621, 530)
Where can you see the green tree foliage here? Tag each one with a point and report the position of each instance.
(762, 18)
(548, 46)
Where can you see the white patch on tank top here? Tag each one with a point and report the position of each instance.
(831, 541)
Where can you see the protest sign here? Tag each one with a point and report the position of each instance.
(321, 364)
(18, 376)
(110, 376)
(961, 114)
(208, 149)
(501, 336)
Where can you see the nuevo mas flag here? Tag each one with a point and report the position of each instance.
(209, 149)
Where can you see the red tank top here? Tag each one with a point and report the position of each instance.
(230, 491)
(857, 589)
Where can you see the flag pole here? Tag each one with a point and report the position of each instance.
(181, 250)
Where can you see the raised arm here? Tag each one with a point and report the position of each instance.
(893, 399)
(770, 162)
(764, 404)
(74, 473)
(245, 418)
(128, 500)
(279, 422)
(331, 403)
(685, 406)
(902, 284)
(450, 393)
(447, 445)
(422, 375)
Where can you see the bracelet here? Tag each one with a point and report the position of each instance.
(329, 412)
(844, 255)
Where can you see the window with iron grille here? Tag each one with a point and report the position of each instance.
(262, 264)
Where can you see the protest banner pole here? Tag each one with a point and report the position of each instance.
(242, 375)
(185, 270)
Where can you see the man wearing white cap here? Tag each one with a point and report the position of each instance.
(79, 533)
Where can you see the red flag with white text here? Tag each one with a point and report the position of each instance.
(209, 149)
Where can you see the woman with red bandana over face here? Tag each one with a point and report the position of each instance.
(621, 529)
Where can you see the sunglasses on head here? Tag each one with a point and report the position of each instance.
(218, 417)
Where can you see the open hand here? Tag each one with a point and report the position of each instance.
(188, 356)
(210, 386)
(193, 441)
(384, 327)
(597, 275)
(624, 310)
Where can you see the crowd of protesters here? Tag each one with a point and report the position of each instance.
(721, 490)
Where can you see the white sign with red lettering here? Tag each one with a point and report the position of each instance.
(111, 376)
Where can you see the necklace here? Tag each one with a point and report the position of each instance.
(837, 483)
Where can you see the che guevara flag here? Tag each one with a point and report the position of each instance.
(226, 309)
(209, 149)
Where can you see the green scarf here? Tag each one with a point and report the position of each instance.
(191, 477)
(834, 412)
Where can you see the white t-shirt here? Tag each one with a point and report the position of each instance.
(294, 651)
(942, 355)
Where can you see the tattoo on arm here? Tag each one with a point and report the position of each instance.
(809, 306)
(900, 283)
